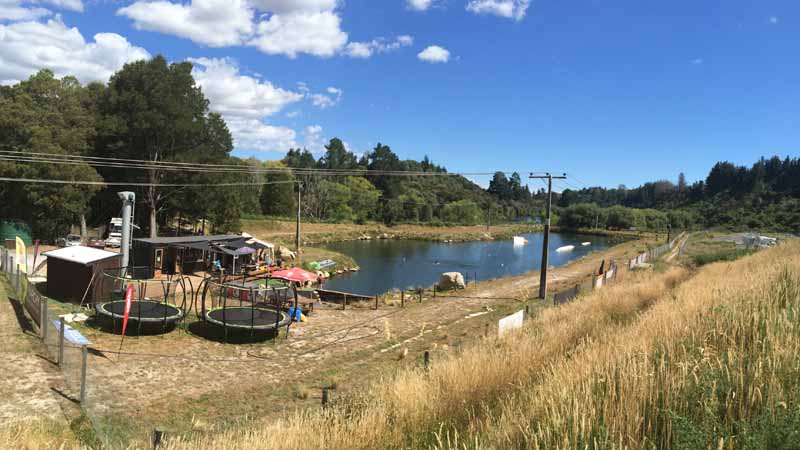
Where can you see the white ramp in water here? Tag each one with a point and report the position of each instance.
(566, 248)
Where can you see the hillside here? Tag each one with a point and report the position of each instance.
(669, 359)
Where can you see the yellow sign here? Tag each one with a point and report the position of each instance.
(21, 255)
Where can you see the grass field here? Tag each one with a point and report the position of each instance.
(672, 358)
(666, 360)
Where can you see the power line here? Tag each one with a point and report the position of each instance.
(48, 158)
(125, 183)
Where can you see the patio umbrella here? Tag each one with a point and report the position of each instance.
(295, 274)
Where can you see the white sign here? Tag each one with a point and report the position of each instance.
(511, 322)
(71, 334)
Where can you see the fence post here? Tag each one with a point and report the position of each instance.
(402, 298)
(324, 397)
(434, 291)
(426, 358)
(376, 303)
(84, 357)
(61, 343)
(44, 317)
(158, 436)
(419, 291)
(344, 303)
(16, 280)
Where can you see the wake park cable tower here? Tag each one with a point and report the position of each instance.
(128, 199)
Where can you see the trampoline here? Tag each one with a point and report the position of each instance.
(158, 305)
(247, 318)
(145, 315)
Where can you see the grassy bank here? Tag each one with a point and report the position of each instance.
(665, 360)
(282, 230)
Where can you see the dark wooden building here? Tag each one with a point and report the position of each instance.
(70, 271)
(153, 257)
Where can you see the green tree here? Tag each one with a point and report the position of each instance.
(46, 115)
(363, 198)
(154, 111)
(337, 157)
(278, 199)
(463, 211)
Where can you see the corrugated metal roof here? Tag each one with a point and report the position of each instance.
(188, 239)
(80, 254)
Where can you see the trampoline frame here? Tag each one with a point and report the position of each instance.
(168, 322)
(220, 289)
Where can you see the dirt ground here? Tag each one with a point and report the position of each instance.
(30, 383)
(189, 380)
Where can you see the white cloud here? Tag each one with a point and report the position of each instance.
(367, 49)
(235, 95)
(419, 5)
(697, 61)
(245, 102)
(774, 19)
(291, 6)
(293, 114)
(316, 33)
(510, 9)
(434, 54)
(72, 5)
(215, 23)
(30, 46)
(313, 138)
(13, 10)
(253, 134)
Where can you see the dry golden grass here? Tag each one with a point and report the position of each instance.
(665, 360)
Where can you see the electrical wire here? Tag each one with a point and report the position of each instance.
(135, 184)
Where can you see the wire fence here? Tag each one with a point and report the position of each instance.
(65, 346)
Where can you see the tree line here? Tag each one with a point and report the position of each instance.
(763, 196)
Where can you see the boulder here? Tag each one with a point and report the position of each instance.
(451, 280)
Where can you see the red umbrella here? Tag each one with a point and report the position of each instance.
(295, 274)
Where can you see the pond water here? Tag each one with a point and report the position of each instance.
(389, 264)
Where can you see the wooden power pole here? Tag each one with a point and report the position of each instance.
(546, 242)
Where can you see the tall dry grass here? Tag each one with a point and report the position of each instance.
(412, 409)
(665, 360)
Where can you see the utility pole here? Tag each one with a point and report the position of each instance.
(546, 242)
(297, 227)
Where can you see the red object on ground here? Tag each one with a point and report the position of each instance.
(128, 301)
(296, 274)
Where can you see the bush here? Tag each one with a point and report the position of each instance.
(721, 255)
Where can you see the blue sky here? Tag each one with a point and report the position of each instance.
(615, 92)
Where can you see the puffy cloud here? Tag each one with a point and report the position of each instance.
(245, 102)
(235, 95)
(253, 134)
(72, 5)
(315, 33)
(216, 23)
(291, 6)
(14, 11)
(774, 20)
(30, 46)
(419, 5)
(367, 49)
(510, 9)
(434, 54)
(313, 138)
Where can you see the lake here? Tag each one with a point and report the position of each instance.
(389, 264)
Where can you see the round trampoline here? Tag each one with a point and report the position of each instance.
(247, 318)
(145, 316)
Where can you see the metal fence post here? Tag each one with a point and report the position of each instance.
(84, 357)
(61, 343)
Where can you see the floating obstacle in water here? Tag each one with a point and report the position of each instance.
(586, 244)
(519, 240)
(566, 248)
